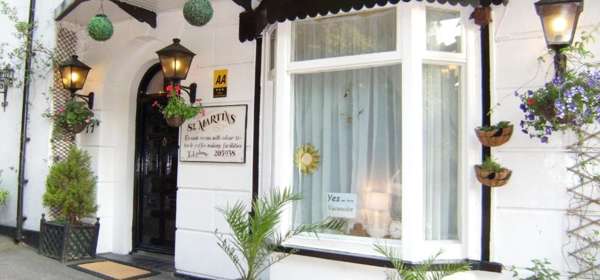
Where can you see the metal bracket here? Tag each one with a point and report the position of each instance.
(191, 91)
(6, 81)
(89, 99)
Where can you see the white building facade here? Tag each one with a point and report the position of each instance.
(388, 96)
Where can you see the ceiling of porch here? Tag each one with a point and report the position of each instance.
(86, 9)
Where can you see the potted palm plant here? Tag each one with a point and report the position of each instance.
(492, 174)
(74, 117)
(70, 189)
(495, 135)
(177, 110)
(427, 270)
(256, 240)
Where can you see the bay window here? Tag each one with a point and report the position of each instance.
(364, 116)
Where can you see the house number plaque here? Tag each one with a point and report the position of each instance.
(218, 135)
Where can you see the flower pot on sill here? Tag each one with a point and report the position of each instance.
(175, 121)
(77, 128)
(492, 179)
(495, 137)
(68, 242)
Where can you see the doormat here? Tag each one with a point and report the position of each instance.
(111, 270)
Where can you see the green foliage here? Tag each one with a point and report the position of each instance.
(70, 187)
(198, 12)
(491, 166)
(14, 55)
(100, 28)
(500, 125)
(256, 237)
(427, 270)
(177, 107)
(541, 270)
(3, 197)
(74, 113)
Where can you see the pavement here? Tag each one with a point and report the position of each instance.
(20, 262)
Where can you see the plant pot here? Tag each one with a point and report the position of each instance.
(496, 137)
(175, 121)
(68, 242)
(492, 179)
(77, 128)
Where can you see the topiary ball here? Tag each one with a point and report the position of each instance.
(198, 12)
(100, 28)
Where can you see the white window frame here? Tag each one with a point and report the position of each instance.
(277, 123)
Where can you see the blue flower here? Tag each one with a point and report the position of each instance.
(557, 81)
(529, 93)
(522, 123)
(548, 131)
(531, 117)
(544, 139)
(523, 107)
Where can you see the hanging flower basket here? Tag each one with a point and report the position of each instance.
(75, 117)
(492, 174)
(175, 121)
(77, 128)
(495, 135)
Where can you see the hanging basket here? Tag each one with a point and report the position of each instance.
(198, 12)
(493, 179)
(77, 128)
(175, 121)
(100, 28)
(495, 137)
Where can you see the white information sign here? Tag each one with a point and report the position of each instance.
(218, 135)
(341, 205)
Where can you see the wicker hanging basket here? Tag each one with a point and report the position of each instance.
(77, 128)
(493, 179)
(495, 137)
(175, 121)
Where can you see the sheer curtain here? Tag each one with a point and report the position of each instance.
(441, 101)
(353, 118)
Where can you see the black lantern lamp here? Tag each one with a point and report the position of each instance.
(176, 61)
(559, 20)
(74, 74)
(7, 77)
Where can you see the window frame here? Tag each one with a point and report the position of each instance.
(411, 52)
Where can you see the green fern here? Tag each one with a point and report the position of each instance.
(255, 238)
(427, 270)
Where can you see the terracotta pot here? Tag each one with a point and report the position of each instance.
(77, 128)
(496, 137)
(493, 179)
(175, 121)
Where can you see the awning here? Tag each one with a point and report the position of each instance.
(252, 22)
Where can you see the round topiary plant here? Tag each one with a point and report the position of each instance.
(100, 28)
(198, 12)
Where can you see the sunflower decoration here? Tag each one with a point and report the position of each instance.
(307, 159)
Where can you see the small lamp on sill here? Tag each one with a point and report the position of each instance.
(74, 74)
(7, 77)
(559, 21)
(176, 61)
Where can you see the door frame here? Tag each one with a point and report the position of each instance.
(136, 234)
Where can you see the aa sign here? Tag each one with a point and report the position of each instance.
(220, 83)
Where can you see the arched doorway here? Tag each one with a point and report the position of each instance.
(156, 160)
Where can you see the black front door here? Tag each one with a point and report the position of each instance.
(156, 178)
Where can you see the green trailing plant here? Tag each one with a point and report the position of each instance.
(491, 165)
(255, 237)
(500, 125)
(177, 107)
(427, 270)
(74, 113)
(14, 54)
(3, 197)
(541, 270)
(70, 187)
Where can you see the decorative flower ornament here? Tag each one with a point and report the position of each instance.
(100, 28)
(198, 12)
(307, 159)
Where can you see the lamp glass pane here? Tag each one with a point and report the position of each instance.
(559, 22)
(167, 63)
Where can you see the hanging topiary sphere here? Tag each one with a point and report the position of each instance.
(100, 28)
(198, 12)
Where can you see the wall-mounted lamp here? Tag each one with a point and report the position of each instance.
(74, 74)
(176, 61)
(559, 20)
(7, 77)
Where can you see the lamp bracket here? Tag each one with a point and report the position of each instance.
(6, 81)
(191, 91)
(89, 99)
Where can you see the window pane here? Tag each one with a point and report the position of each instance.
(345, 35)
(441, 116)
(351, 121)
(444, 31)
